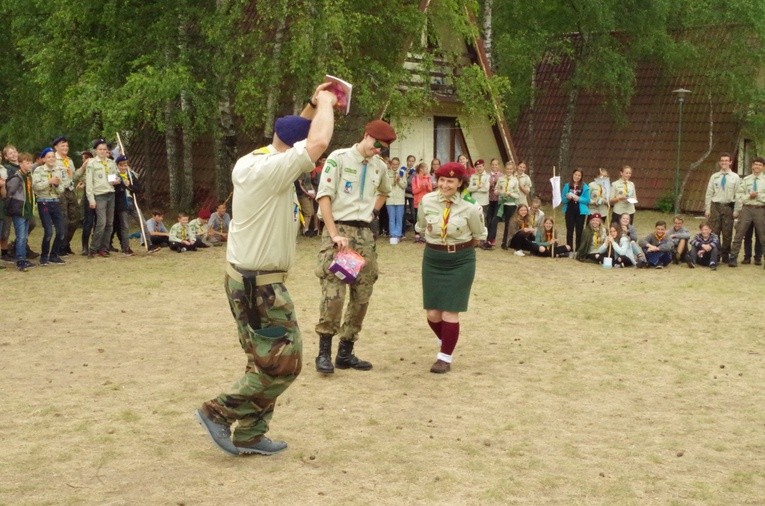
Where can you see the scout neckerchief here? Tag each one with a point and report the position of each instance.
(106, 167)
(445, 218)
(722, 181)
(65, 161)
(659, 237)
(596, 237)
(479, 179)
(754, 185)
(507, 183)
(220, 223)
(183, 232)
(548, 236)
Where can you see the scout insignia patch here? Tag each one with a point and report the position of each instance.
(348, 187)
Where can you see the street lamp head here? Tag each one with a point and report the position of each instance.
(681, 93)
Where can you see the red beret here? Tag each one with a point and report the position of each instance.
(381, 131)
(452, 169)
(596, 215)
(479, 162)
(204, 214)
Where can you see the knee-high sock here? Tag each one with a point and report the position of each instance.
(436, 328)
(450, 333)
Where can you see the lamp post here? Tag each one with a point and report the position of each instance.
(681, 93)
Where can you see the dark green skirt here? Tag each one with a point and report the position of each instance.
(447, 279)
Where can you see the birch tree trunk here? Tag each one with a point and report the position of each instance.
(564, 149)
(274, 89)
(487, 32)
(171, 152)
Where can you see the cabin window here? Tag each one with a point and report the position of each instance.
(449, 142)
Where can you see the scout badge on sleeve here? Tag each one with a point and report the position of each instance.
(347, 265)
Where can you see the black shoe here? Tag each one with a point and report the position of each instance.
(63, 253)
(56, 261)
(713, 266)
(8, 257)
(641, 264)
(324, 359)
(746, 261)
(85, 252)
(732, 262)
(347, 360)
(690, 263)
(757, 261)
(112, 249)
(31, 254)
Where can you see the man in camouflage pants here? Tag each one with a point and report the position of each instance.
(352, 189)
(260, 251)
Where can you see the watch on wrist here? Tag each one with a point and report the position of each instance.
(376, 212)
(310, 102)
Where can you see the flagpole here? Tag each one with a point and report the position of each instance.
(555, 222)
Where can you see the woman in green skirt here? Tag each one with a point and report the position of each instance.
(451, 227)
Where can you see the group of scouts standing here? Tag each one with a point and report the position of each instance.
(50, 182)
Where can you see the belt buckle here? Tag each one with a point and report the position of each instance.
(451, 248)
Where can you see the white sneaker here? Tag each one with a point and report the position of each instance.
(519, 253)
(394, 240)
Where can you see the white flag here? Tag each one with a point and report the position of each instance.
(556, 197)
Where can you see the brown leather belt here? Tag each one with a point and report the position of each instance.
(353, 223)
(451, 248)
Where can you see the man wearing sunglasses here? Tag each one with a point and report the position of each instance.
(353, 187)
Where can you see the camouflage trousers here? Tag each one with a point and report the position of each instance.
(333, 290)
(270, 338)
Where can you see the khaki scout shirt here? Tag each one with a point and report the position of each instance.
(621, 187)
(97, 175)
(479, 188)
(507, 189)
(179, 232)
(715, 191)
(745, 186)
(67, 168)
(397, 195)
(524, 181)
(598, 196)
(465, 220)
(341, 181)
(265, 217)
(41, 185)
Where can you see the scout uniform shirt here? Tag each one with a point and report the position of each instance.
(352, 185)
(44, 190)
(507, 189)
(599, 194)
(479, 188)
(721, 188)
(221, 224)
(97, 175)
(749, 184)
(462, 223)
(265, 208)
(397, 195)
(621, 187)
(198, 228)
(524, 181)
(67, 168)
(180, 232)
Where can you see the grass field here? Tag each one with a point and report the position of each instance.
(571, 384)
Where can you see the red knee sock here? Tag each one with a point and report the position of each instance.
(436, 327)
(450, 333)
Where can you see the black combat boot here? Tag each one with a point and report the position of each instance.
(324, 360)
(346, 359)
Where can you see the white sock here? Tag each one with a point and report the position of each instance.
(443, 356)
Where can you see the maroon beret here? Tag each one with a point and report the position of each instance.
(204, 214)
(479, 162)
(381, 131)
(596, 215)
(452, 169)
